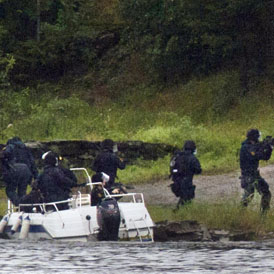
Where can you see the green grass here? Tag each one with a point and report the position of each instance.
(211, 111)
(227, 215)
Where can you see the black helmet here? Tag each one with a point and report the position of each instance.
(108, 144)
(189, 145)
(253, 134)
(50, 158)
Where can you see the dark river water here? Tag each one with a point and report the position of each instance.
(111, 257)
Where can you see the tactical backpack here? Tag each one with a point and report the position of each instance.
(175, 186)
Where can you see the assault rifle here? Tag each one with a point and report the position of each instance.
(268, 140)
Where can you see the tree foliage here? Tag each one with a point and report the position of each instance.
(175, 38)
(197, 36)
(69, 31)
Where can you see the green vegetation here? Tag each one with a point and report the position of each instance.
(167, 116)
(227, 215)
(157, 71)
(196, 110)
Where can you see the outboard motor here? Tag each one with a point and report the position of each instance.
(108, 217)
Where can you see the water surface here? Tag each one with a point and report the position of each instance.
(111, 257)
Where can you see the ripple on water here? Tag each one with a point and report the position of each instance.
(111, 257)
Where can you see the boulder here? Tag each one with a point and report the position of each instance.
(191, 230)
(180, 231)
(81, 153)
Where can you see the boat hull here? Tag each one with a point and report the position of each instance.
(81, 224)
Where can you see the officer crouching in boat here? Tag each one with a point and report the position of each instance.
(108, 162)
(252, 151)
(48, 187)
(72, 179)
(16, 176)
(53, 182)
(183, 166)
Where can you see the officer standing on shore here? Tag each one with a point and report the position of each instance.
(252, 151)
(108, 162)
(183, 166)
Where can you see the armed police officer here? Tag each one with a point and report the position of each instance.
(16, 176)
(108, 162)
(53, 182)
(18, 152)
(72, 180)
(252, 151)
(183, 166)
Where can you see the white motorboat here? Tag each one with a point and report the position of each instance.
(81, 221)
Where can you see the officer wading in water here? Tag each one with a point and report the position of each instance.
(183, 166)
(252, 151)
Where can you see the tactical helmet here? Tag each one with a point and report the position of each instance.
(253, 134)
(189, 145)
(108, 144)
(50, 158)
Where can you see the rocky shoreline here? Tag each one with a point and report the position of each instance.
(193, 231)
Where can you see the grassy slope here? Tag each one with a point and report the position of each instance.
(209, 111)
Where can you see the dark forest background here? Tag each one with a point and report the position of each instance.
(150, 70)
(169, 40)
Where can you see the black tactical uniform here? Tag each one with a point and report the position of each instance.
(70, 181)
(17, 152)
(183, 167)
(53, 182)
(252, 151)
(48, 183)
(16, 177)
(108, 162)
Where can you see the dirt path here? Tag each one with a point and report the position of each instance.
(208, 188)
